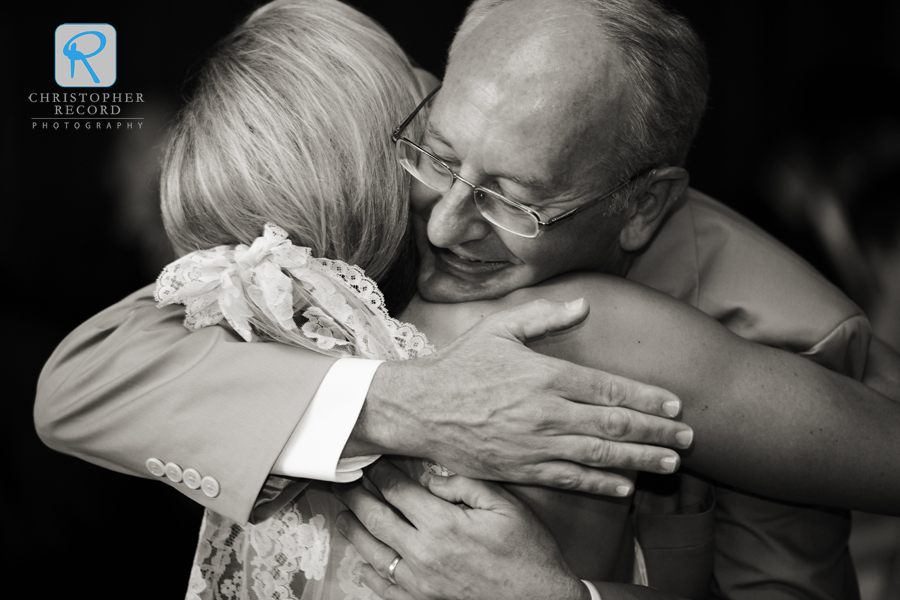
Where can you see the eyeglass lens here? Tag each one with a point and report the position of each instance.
(505, 215)
(439, 178)
(423, 167)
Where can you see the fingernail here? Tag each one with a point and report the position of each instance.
(672, 407)
(685, 437)
(438, 479)
(575, 305)
(623, 490)
(341, 523)
(668, 464)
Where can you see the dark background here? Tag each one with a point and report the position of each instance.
(78, 205)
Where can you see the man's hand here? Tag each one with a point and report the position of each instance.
(497, 549)
(488, 407)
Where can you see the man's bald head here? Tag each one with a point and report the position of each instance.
(544, 63)
(660, 59)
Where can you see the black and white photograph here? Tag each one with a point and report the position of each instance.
(464, 300)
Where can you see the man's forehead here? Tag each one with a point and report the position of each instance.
(545, 63)
(545, 118)
(500, 128)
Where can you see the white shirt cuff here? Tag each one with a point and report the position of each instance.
(314, 449)
(595, 595)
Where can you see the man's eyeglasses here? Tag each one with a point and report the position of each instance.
(503, 212)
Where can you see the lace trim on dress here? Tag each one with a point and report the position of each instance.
(258, 290)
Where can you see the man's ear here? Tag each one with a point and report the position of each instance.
(664, 186)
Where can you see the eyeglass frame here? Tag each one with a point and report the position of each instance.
(396, 137)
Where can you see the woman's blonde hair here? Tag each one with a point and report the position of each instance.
(290, 123)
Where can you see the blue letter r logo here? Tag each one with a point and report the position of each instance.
(85, 55)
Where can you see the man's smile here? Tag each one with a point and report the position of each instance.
(454, 262)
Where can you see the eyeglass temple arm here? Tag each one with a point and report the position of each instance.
(568, 214)
(396, 133)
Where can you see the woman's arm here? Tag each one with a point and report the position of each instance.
(766, 421)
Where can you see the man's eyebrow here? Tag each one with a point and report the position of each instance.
(432, 131)
(532, 183)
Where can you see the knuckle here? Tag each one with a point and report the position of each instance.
(544, 372)
(374, 519)
(612, 390)
(567, 479)
(446, 527)
(652, 430)
(658, 431)
(429, 559)
(542, 417)
(527, 474)
(616, 423)
(426, 557)
(596, 482)
(599, 452)
(389, 486)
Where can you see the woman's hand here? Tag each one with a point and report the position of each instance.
(493, 547)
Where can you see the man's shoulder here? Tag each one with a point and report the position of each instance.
(728, 243)
(734, 254)
(713, 258)
(704, 245)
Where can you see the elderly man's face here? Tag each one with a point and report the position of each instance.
(530, 108)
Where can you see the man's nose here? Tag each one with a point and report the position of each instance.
(454, 218)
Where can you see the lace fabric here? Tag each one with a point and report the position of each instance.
(258, 290)
(296, 554)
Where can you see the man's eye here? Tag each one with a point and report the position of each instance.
(497, 188)
(451, 161)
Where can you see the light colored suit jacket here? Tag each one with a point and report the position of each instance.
(703, 540)
(132, 383)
